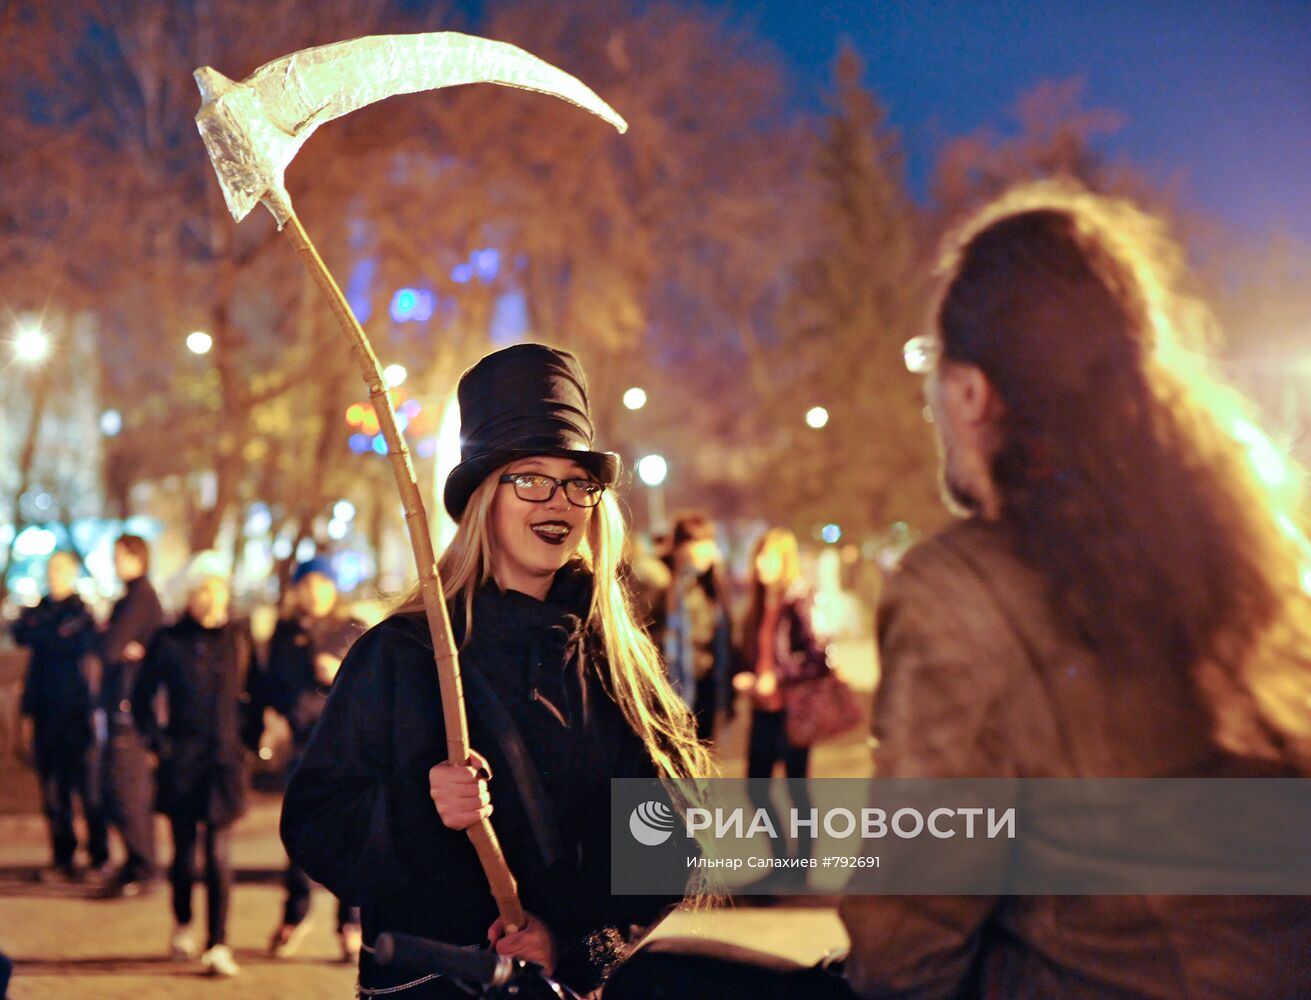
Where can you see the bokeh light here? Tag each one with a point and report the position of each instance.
(31, 345)
(652, 469)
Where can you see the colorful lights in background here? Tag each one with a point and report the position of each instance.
(417, 423)
(412, 305)
(416, 305)
(483, 265)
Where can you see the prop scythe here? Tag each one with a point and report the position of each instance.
(253, 130)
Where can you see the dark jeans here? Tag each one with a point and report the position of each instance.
(129, 801)
(298, 900)
(682, 969)
(64, 772)
(218, 874)
(703, 707)
(766, 747)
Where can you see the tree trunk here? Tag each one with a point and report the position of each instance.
(26, 459)
(233, 430)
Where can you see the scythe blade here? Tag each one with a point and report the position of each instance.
(255, 128)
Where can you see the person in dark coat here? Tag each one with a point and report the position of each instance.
(564, 692)
(58, 699)
(203, 665)
(305, 653)
(128, 781)
(695, 627)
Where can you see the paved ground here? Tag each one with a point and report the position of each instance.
(66, 945)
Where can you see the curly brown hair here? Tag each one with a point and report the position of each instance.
(1134, 480)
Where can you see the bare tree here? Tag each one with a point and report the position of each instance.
(856, 299)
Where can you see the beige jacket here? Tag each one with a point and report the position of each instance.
(979, 680)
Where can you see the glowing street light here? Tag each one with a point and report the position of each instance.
(31, 345)
(394, 375)
(816, 417)
(652, 469)
(199, 342)
(635, 398)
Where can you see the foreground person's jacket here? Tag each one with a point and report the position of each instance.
(358, 816)
(979, 681)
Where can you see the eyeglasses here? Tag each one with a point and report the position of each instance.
(534, 487)
(922, 353)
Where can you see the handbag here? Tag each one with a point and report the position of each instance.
(818, 708)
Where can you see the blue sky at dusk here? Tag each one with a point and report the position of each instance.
(1217, 94)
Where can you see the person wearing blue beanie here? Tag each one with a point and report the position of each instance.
(305, 652)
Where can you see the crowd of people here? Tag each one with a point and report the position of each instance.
(139, 715)
(1123, 596)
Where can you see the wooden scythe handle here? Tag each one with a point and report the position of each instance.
(504, 888)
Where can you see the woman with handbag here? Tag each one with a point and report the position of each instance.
(564, 689)
(779, 651)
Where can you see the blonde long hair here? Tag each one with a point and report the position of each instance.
(635, 675)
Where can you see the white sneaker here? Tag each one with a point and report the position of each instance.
(287, 938)
(218, 961)
(182, 945)
(352, 939)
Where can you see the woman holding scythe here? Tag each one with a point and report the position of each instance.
(564, 692)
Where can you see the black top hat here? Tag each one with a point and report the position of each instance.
(528, 399)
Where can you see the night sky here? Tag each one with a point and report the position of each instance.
(1216, 94)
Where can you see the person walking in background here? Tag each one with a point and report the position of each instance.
(128, 782)
(778, 647)
(696, 631)
(202, 663)
(305, 653)
(57, 706)
(647, 578)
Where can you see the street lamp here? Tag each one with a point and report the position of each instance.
(816, 417)
(199, 342)
(653, 470)
(635, 398)
(31, 346)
